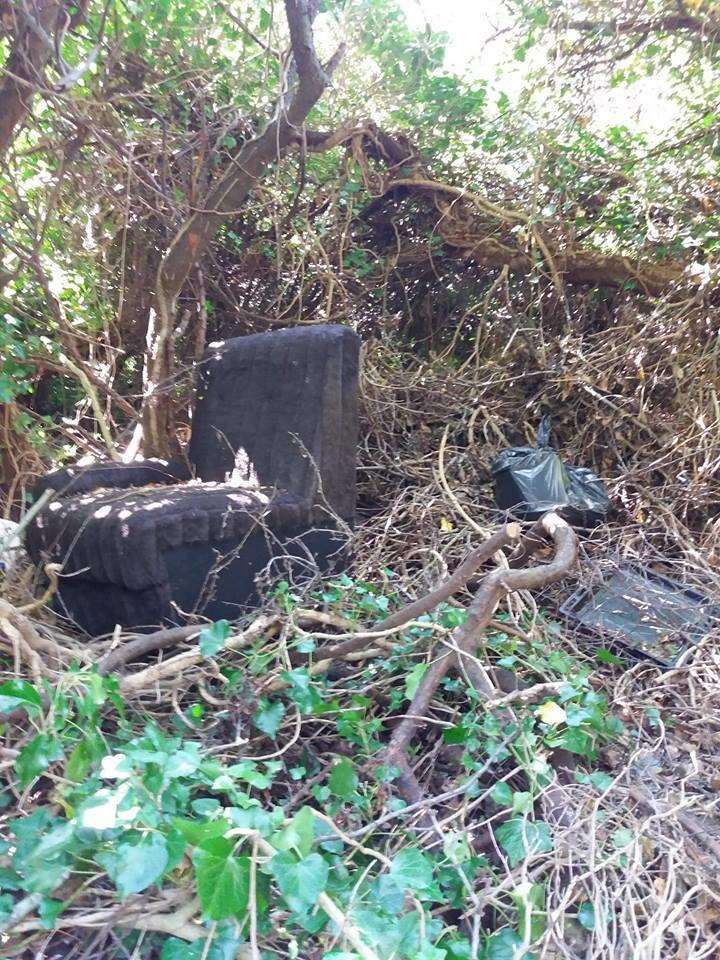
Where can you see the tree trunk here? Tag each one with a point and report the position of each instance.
(35, 25)
(224, 199)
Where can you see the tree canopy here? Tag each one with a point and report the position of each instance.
(402, 193)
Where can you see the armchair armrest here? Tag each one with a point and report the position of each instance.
(113, 474)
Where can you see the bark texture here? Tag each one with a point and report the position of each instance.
(32, 27)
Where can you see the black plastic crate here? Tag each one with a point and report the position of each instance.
(651, 615)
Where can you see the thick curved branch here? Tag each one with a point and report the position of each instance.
(23, 71)
(465, 638)
(700, 28)
(141, 646)
(38, 29)
(223, 200)
(455, 582)
(469, 238)
(469, 235)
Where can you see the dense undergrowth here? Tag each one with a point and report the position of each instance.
(229, 804)
(535, 233)
(123, 803)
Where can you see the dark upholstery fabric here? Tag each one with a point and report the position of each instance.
(120, 536)
(72, 480)
(144, 557)
(269, 400)
(276, 416)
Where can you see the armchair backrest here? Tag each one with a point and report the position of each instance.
(267, 401)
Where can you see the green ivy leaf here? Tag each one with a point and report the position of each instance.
(56, 841)
(529, 899)
(212, 639)
(343, 779)
(176, 844)
(269, 717)
(6, 906)
(299, 834)
(224, 947)
(82, 757)
(428, 952)
(453, 617)
(9, 880)
(623, 838)
(247, 771)
(223, 879)
(521, 838)
(503, 945)
(456, 734)
(174, 949)
(134, 866)
(42, 857)
(412, 870)
(522, 802)
(412, 679)
(49, 911)
(586, 915)
(387, 895)
(601, 780)
(19, 693)
(182, 763)
(303, 691)
(197, 832)
(36, 757)
(577, 741)
(603, 655)
(502, 794)
(300, 881)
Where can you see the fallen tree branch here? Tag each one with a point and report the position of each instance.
(150, 643)
(465, 638)
(135, 682)
(135, 649)
(33, 647)
(528, 694)
(510, 533)
(135, 917)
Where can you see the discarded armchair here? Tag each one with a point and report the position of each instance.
(272, 456)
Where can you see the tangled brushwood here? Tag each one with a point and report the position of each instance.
(426, 757)
(419, 758)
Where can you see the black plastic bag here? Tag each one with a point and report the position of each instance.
(532, 480)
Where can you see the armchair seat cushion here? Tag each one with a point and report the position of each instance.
(153, 555)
